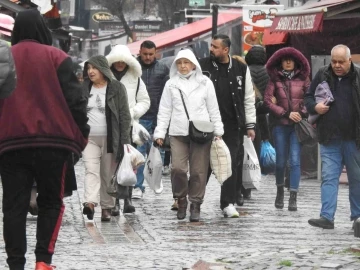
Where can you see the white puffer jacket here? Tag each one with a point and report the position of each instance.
(140, 103)
(199, 96)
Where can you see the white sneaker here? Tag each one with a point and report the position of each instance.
(137, 193)
(159, 190)
(230, 211)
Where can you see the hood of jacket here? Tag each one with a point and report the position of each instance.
(29, 24)
(122, 53)
(302, 67)
(256, 56)
(188, 54)
(101, 64)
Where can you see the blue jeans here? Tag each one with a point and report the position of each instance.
(334, 156)
(144, 149)
(287, 146)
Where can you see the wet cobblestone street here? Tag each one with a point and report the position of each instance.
(152, 238)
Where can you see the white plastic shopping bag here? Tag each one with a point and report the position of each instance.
(251, 174)
(126, 175)
(220, 160)
(139, 134)
(153, 170)
(137, 159)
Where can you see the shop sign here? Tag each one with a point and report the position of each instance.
(298, 23)
(102, 17)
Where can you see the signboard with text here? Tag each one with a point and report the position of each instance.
(255, 19)
(298, 23)
(198, 3)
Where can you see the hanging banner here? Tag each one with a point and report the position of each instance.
(255, 19)
(303, 23)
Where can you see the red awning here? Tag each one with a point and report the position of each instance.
(302, 23)
(274, 38)
(185, 32)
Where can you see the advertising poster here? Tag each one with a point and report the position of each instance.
(255, 19)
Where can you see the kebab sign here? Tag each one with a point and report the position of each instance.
(255, 19)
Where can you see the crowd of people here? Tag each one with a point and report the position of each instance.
(263, 99)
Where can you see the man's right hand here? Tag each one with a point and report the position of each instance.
(321, 108)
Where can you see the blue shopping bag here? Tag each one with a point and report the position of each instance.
(267, 158)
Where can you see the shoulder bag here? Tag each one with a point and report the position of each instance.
(199, 131)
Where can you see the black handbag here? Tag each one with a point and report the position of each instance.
(199, 131)
(305, 132)
(116, 190)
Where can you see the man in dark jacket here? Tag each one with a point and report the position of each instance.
(338, 129)
(154, 75)
(41, 123)
(235, 94)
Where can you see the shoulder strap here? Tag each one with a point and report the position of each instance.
(137, 89)
(287, 94)
(182, 98)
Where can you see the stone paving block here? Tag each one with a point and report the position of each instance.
(331, 265)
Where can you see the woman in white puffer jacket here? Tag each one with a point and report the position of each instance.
(127, 70)
(201, 102)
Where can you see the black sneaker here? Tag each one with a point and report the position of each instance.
(321, 223)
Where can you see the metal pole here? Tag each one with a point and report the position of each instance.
(215, 12)
(144, 11)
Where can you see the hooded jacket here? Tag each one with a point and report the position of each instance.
(47, 107)
(199, 96)
(7, 70)
(139, 101)
(284, 89)
(118, 118)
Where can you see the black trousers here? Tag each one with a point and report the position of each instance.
(19, 169)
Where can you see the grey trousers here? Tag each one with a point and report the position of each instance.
(185, 155)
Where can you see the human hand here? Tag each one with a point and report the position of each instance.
(321, 108)
(273, 100)
(251, 134)
(295, 116)
(160, 141)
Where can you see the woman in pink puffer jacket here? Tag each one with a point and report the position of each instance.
(289, 80)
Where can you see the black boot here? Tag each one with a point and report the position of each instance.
(128, 207)
(194, 212)
(279, 201)
(292, 201)
(182, 206)
(116, 210)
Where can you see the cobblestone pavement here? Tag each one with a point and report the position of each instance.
(262, 238)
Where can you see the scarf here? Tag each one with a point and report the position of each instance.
(186, 76)
(288, 74)
(119, 74)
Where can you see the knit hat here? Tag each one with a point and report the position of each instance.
(256, 56)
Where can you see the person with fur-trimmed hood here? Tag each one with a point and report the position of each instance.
(289, 80)
(127, 70)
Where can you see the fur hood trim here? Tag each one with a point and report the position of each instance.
(302, 67)
(122, 53)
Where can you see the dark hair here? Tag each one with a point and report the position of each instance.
(225, 40)
(148, 44)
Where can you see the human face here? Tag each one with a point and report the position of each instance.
(218, 51)
(288, 64)
(184, 66)
(120, 65)
(340, 63)
(94, 74)
(147, 56)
